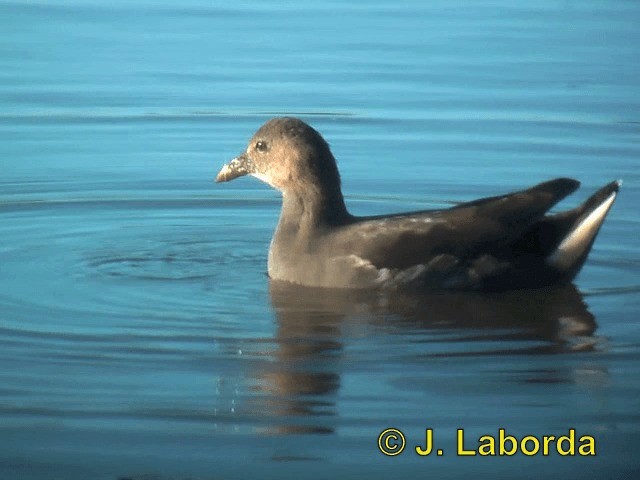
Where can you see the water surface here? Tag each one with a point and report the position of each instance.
(139, 334)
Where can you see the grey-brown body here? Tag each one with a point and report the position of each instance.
(495, 243)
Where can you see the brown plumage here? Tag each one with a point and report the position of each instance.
(506, 241)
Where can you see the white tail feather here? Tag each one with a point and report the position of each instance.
(574, 244)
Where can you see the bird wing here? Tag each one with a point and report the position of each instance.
(488, 225)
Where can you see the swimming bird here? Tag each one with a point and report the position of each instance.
(504, 242)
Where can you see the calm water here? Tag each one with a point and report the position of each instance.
(139, 335)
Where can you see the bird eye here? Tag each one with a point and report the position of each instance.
(262, 146)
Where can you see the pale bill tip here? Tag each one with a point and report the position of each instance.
(222, 174)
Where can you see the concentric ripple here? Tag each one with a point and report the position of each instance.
(122, 259)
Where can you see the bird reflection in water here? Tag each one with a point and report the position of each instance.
(299, 386)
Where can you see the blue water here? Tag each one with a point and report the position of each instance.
(139, 335)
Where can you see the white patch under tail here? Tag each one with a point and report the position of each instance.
(573, 245)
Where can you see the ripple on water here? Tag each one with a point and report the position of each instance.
(160, 260)
(181, 263)
(121, 295)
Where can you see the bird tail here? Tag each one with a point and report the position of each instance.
(579, 229)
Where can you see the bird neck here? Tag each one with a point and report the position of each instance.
(313, 208)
